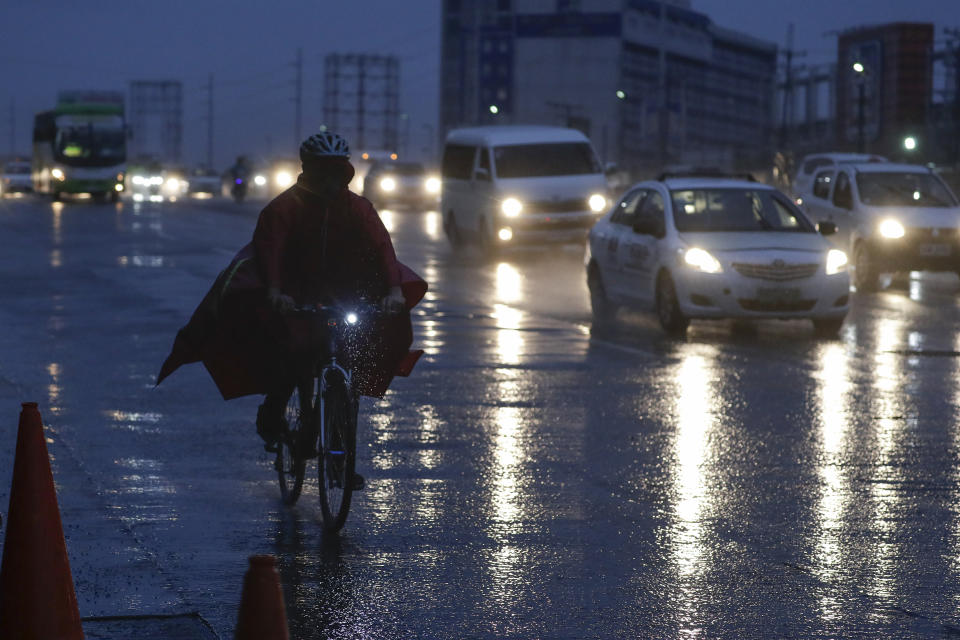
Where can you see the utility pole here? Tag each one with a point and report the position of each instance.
(298, 97)
(13, 126)
(209, 119)
(786, 116)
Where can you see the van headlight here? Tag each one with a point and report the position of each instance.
(892, 229)
(388, 184)
(836, 261)
(511, 207)
(702, 261)
(432, 184)
(597, 203)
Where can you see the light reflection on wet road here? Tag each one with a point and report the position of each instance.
(531, 479)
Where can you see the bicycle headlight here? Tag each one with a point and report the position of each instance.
(597, 203)
(702, 261)
(892, 229)
(511, 207)
(836, 261)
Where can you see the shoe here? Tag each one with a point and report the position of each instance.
(270, 428)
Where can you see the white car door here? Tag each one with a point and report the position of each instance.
(616, 235)
(639, 250)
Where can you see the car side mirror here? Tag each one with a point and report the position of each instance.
(481, 174)
(826, 228)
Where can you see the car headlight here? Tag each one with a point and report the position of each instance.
(702, 261)
(836, 261)
(892, 229)
(511, 207)
(597, 203)
(432, 185)
(138, 180)
(58, 174)
(283, 178)
(259, 181)
(155, 181)
(388, 184)
(172, 184)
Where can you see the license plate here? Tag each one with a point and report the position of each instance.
(935, 250)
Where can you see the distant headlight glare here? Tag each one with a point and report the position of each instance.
(597, 203)
(702, 261)
(836, 261)
(388, 184)
(283, 178)
(892, 229)
(511, 207)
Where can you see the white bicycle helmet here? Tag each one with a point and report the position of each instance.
(324, 145)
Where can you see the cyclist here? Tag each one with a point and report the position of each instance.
(315, 242)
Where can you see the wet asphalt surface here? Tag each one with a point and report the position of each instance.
(531, 479)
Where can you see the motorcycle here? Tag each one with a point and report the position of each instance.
(239, 189)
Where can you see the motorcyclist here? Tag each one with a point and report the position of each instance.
(319, 242)
(239, 173)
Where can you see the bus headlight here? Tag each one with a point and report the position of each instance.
(388, 184)
(836, 261)
(597, 203)
(892, 229)
(702, 261)
(511, 207)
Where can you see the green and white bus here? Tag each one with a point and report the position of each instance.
(81, 145)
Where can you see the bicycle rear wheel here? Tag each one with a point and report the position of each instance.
(337, 413)
(289, 464)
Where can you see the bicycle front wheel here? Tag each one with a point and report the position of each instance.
(337, 411)
(290, 465)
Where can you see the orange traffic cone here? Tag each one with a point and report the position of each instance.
(36, 587)
(262, 614)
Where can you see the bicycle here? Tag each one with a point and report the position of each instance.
(321, 417)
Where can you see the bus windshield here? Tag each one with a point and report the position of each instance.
(90, 145)
(551, 159)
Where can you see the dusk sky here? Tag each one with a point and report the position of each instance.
(46, 46)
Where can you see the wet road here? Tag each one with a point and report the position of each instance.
(531, 479)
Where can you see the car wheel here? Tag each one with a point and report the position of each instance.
(603, 310)
(865, 273)
(668, 308)
(827, 327)
(450, 228)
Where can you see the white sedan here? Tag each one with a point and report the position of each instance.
(702, 247)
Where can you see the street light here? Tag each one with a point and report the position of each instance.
(494, 109)
(910, 143)
(861, 80)
(621, 95)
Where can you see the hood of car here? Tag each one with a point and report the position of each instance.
(918, 217)
(756, 241)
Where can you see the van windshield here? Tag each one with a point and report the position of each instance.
(551, 159)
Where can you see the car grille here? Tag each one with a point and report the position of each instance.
(776, 306)
(928, 234)
(778, 272)
(556, 206)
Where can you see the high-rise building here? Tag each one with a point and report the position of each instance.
(156, 120)
(652, 83)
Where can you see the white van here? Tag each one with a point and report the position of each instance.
(507, 185)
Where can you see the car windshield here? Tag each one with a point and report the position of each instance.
(553, 159)
(903, 190)
(735, 210)
(403, 168)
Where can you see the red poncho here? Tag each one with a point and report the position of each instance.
(314, 252)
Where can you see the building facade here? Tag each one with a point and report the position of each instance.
(652, 83)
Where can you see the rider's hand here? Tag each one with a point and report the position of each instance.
(394, 302)
(279, 300)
